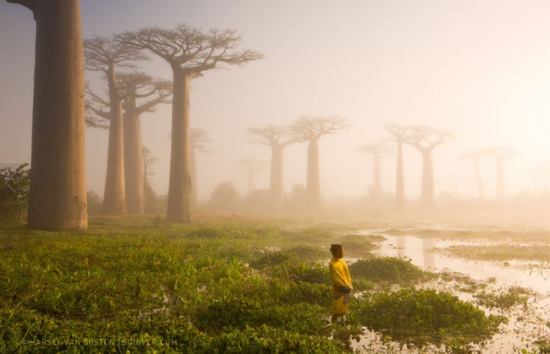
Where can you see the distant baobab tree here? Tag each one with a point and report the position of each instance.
(311, 129)
(190, 52)
(502, 154)
(198, 139)
(377, 150)
(251, 167)
(148, 162)
(278, 138)
(474, 157)
(425, 139)
(107, 55)
(57, 199)
(401, 135)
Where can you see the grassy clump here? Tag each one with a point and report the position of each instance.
(503, 301)
(417, 318)
(387, 269)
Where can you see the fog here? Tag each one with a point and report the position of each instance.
(476, 69)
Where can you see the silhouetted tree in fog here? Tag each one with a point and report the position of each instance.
(425, 139)
(474, 157)
(190, 52)
(106, 55)
(401, 135)
(311, 129)
(278, 138)
(148, 162)
(198, 138)
(57, 199)
(378, 151)
(250, 167)
(502, 154)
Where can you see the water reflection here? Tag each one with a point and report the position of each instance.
(428, 245)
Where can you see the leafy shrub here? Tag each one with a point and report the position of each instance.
(503, 301)
(387, 269)
(225, 197)
(419, 317)
(356, 245)
(14, 193)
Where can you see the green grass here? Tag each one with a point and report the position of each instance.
(221, 284)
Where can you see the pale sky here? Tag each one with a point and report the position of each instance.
(479, 69)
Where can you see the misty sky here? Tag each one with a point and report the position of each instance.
(479, 69)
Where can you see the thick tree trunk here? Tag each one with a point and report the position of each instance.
(427, 195)
(114, 199)
(400, 199)
(57, 198)
(479, 182)
(501, 186)
(133, 159)
(377, 182)
(313, 186)
(194, 191)
(276, 177)
(179, 189)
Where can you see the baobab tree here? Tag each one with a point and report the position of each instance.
(57, 199)
(198, 138)
(148, 161)
(401, 135)
(502, 154)
(131, 86)
(377, 150)
(425, 139)
(138, 86)
(278, 138)
(190, 53)
(474, 157)
(311, 129)
(250, 167)
(107, 55)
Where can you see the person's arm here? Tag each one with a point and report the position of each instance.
(348, 275)
(335, 277)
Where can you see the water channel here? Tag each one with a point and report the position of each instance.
(525, 325)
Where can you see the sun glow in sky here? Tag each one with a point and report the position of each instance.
(477, 69)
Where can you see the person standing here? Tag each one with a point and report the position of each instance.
(341, 283)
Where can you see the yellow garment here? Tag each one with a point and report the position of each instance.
(339, 275)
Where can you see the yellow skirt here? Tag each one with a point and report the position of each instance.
(340, 304)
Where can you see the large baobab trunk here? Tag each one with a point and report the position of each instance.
(57, 198)
(114, 200)
(377, 182)
(276, 177)
(194, 192)
(427, 190)
(133, 159)
(313, 188)
(479, 182)
(179, 189)
(400, 200)
(501, 187)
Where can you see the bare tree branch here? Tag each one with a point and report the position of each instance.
(190, 49)
(310, 128)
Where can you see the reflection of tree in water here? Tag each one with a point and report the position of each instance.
(428, 245)
(401, 246)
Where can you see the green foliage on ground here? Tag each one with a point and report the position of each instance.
(144, 285)
(14, 193)
(387, 269)
(416, 318)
